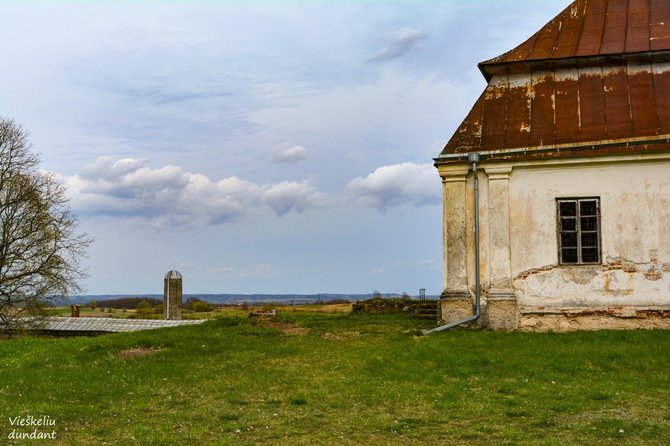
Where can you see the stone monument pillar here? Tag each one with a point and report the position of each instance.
(172, 296)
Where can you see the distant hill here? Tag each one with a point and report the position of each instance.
(127, 302)
(232, 299)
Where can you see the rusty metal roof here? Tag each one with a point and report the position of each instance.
(589, 28)
(596, 75)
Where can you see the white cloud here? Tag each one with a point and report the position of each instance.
(106, 168)
(401, 42)
(169, 196)
(291, 196)
(398, 185)
(287, 153)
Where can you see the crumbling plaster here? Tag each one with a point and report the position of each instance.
(635, 220)
(519, 252)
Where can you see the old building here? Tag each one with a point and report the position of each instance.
(573, 141)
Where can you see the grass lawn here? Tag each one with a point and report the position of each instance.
(131, 313)
(310, 378)
(87, 312)
(116, 313)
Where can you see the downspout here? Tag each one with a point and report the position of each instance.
(473, 159)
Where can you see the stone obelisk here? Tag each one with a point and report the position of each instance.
(172, 296)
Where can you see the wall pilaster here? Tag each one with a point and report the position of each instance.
(456, 302)
(454, 232)
(501, 300)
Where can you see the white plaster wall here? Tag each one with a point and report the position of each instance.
(635, 234)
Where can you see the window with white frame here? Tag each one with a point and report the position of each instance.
(578, 231)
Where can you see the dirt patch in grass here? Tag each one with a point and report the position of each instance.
(285, 328)
(344, 336)
(137, 352)
(335, 308)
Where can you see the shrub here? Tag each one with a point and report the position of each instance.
(201, 307)
(197, 305)
(127, 302)
(144, 307)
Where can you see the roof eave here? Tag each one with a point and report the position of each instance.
(490, 68)
(559, 150)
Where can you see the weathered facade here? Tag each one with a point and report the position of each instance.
(573, 137)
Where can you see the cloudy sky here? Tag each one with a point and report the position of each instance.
(260, 146)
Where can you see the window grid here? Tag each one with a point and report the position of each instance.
(579, 231)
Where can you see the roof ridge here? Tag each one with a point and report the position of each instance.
(606, 18)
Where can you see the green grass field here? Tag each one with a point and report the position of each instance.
(311, 378)
(128, 314)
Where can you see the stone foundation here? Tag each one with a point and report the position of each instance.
(455, 307)
(503, 313)
(572, 319)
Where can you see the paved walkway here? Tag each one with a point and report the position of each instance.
(80, 325)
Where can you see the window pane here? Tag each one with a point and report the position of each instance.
(589, 223)
(578, 230)
(590, 255)
(589, 239)
(588, 208)
(568, 239)
(568, 256)
(568, 224)
(568, 208)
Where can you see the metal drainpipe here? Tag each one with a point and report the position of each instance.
(473, 159)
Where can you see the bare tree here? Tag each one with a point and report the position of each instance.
(39, 244)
